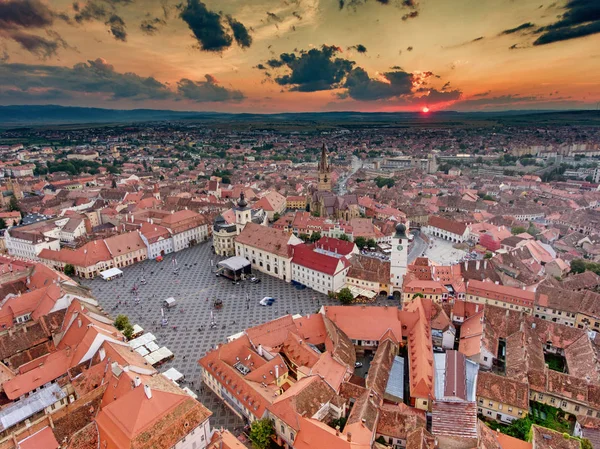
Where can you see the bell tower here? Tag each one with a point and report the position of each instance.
(324, 172)
(243, 214)
(398, 257)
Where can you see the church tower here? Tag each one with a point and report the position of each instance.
(398, 257)
(243, 213)
(324, 172)
(156, 192)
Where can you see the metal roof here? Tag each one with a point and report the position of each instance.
(234, 263)
(395, 384)
(32, 404)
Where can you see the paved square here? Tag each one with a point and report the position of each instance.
(195, 289)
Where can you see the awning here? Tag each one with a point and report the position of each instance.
(234, 263)
(356, 291)
(110, 273)
(173, 374)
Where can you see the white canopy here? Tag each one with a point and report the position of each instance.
(110, 273)
(234, 263)
(173, 374)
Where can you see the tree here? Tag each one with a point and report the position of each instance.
(345, 296)
(518, 230)
(371, 243)
(2, 223)
(488, 255)
(122, 323)
(315, 236)
(69, 269)
(276, 216)
(578, 266)
(261, 432)
(114, 184)
(361, 242)
(13, 205)
(304, 237)
(316, 213)
(345, 237)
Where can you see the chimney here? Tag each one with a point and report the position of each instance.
(137, 381)
(276, 371)
(148, 391)
(337, 431)
(485, 264)
(477, 264)
(260, 350)
(476, 308)
(349, 437)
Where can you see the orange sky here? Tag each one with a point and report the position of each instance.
(459, 41)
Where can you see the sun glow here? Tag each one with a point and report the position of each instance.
(425, 110)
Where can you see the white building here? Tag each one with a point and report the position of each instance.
(267, 249)
(158, 240)
(28, 244)
(187, 228)
(319, 271)
(450, 230)
(398, 258)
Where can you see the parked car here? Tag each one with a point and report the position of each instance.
(267, 301)
(254, 280)
(358, 365)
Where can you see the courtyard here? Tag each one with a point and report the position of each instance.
(188, 334)
(443, 252)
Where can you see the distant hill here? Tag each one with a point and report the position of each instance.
(23, 116)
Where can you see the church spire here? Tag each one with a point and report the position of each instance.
(324, 163)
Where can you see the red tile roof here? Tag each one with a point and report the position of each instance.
(306, 257)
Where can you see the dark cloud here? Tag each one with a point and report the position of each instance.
(272, 17)
(581, 18)
(40, 46)
(522, 27)
(206, 91)
(97, 77)
(297, 15)
(240, 32)
(18, 18)
(209, 28)
(312, 70)
(409, 49)
(261, 67)
(499, 101)
(483, 94)
(151, 26)
(394, 84)
(410, 15)
(360, 48)
(117, 27)
(354, 4)
(104, 10)
(322, 69)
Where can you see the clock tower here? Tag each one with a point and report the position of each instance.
(398, 258)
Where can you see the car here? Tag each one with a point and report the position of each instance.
(267, 301)
(358, 365)
(254, 280)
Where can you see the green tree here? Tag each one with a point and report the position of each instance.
(69, 269)
(578, 266)
(316, 213)
(276, 216)
(371, 243)
(122, 323)
(518, 230)
(345, 296)
(13, 205)
(488, 255)
(304, 237)
(315, 236)
(261, 432)
(345, 237)
(2, 223)
(361, 242)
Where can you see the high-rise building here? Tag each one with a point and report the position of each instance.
(399, 257)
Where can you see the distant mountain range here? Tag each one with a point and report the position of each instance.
(31, 115)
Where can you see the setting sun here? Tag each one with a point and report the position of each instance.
(425, 110)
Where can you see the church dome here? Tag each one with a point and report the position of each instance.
(400, 228)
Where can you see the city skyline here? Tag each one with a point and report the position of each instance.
(301, 55)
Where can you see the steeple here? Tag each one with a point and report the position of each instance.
(324, 171)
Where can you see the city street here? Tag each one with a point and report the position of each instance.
(195, 289)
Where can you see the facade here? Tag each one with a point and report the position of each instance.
(433, 290)
(500, 296)
(369, 273)
(450, 230)
(296, 202)
(267, 249)
(158, 240)
(187, 228)
(318, 271)
(501, 398)
(28, 244)
(399, 258)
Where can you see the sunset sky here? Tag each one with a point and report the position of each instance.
(301, 55)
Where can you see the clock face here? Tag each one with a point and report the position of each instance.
(400, 247)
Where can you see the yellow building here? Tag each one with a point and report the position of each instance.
(501, 398)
